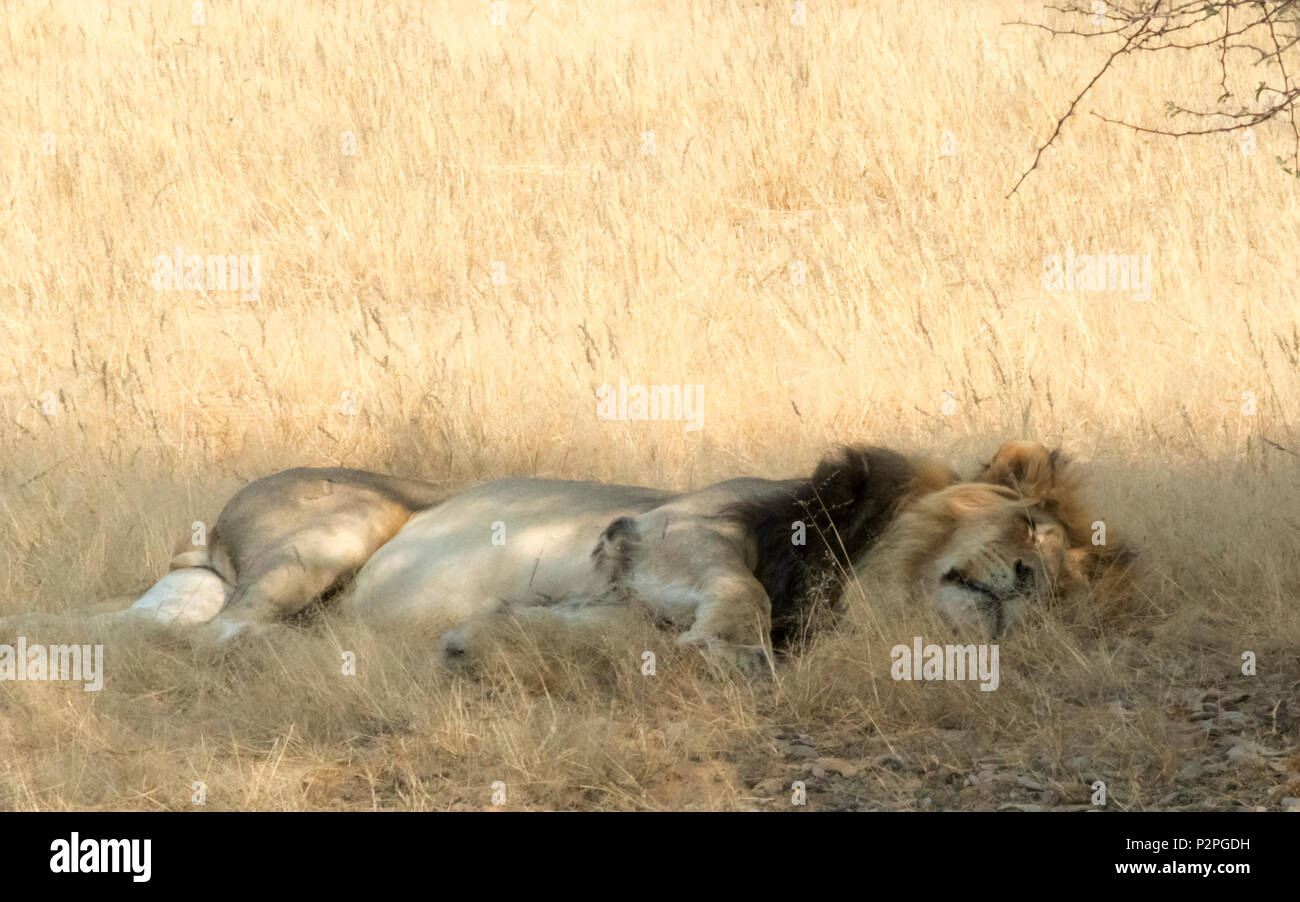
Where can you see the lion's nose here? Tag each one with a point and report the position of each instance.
(1024, 575)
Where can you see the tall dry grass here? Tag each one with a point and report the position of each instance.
(128, 413)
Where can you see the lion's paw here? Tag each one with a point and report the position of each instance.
(751, 661)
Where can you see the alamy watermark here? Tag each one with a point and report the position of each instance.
(75, 855)
(53, 663)
(213, 272)
(1098, 272)
(946, 662)
(652, 402)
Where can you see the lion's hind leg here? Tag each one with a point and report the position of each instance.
(297, 536)
(185, 596)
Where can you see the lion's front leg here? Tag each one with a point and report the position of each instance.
(733, 622)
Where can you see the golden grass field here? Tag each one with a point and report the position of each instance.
(522, 152)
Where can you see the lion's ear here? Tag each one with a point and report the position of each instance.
(1027, 467)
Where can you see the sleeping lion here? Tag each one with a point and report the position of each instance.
(736, 566)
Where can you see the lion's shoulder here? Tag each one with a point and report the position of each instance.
(808, 532)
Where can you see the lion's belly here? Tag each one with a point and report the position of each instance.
(517, 540)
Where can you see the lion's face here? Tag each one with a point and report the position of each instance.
(993, 556)
(984, 553)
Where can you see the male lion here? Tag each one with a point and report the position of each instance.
(735, 566)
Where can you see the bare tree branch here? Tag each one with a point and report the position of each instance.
(1269, 29)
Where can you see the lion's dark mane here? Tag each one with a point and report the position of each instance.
(845, 506)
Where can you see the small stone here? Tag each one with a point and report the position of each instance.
(1290, 803)
(772, 786)
(838, 766)
(1233, 720)
(1249, 753)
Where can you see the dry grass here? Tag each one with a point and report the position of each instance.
(774, 145)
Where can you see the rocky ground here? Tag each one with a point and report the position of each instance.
(1233, 750)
